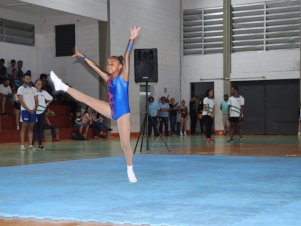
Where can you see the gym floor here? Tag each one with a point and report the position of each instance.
(269, 146)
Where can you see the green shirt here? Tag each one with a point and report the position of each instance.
(224, 107)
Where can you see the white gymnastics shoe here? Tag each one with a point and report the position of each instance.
(58, 84)
(131, 174)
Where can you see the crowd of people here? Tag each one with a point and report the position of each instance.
(173, 116)
(31, 101)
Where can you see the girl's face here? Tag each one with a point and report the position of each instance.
(39, 85)
(210, 93)
(183, 102)
(113, 66)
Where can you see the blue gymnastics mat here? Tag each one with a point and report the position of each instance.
(171, 190)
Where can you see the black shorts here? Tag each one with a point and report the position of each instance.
(235, 120)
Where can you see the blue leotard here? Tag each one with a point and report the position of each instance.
(118, 97)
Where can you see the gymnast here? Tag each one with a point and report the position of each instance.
(117, 79)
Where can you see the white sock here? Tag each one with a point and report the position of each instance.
(58, 84)
(131, 174)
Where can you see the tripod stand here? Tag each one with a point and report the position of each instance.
(144, 127)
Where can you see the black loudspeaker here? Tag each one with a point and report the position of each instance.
(146, 65)
(64, 40)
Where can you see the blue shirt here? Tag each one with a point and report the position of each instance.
(163, 114)
(153, 109)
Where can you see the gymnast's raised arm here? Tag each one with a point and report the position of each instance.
(125, 70)
(91, 63)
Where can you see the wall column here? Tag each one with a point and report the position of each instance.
(227, 45)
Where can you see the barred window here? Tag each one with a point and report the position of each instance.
(16, 32)
(266, 26)
(203, 31)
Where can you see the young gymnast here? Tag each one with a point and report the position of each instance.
(117, 79)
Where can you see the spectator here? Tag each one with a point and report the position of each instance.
(44, 100)
(153, 109)
(163, 114)
(28, 98)
(46, 86)
(200, 114)
(193, 114)
(2, 70)
(236, 109)
(99, 128)
(173, 115)
(12, 66)
(5, 93)
(20, 73)
(224, 108)
(17, 110)
(77, 124)
(184, 118)
(87, 120)
(208, 113)
(49, 125)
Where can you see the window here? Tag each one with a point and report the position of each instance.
(16, 32)
(266, 26)
(203, 31)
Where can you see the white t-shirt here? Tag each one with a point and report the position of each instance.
(5, 90)
(210, 106)
(28, 93)
(235, 104)
(43, 97)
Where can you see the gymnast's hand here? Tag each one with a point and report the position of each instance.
(134, 32)
(77, 53)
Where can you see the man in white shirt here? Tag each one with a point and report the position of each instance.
(5, 93)
(236, 109)
(28, 98)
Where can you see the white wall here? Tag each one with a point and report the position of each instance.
(198, 68)
(160, 21)
(96, 9)
(69, 69)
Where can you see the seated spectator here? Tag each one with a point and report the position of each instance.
(77, 124)
(5, 93)
(100, 129)
(86, 121)
(2, 71)
(49, 125)
(9, 70)
(20, 73)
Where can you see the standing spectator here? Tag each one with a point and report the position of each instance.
(2, 70)
(200, 114)
(44, 100)
(224, 107)
(17, 106)
(20, 73)
(236, 109)
(28, 98)
(153, 109)
(208, 114)
(299, 131)
(173, 115)
(5, 93)
(46, 86)
(184, 118)
(193, 114)
(12, 66)
(163, 115)
(48, 124)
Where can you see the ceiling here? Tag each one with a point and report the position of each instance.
(27, 8)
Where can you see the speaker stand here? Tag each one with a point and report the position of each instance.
(144, 127)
